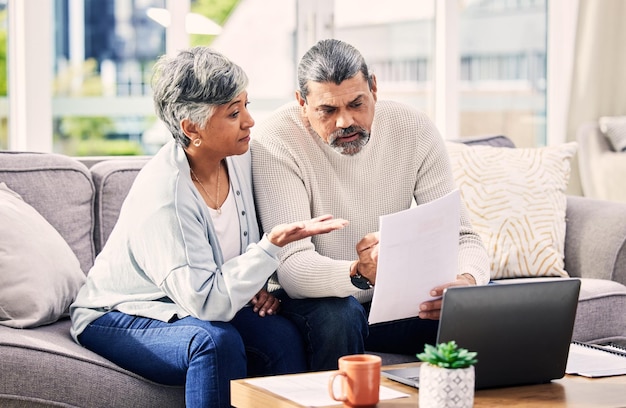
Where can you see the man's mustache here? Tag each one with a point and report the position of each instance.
(347, 131)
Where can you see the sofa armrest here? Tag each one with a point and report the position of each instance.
(595, 239)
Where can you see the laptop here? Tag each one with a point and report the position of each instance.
(521, 331)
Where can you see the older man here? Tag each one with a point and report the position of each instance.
(338, 150)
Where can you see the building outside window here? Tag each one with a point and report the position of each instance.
(103, 60)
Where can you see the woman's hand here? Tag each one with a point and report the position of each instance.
(265, 303)
(284, 234)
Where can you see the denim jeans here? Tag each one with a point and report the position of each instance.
(406, 336)
(333, 327)
(203, 356)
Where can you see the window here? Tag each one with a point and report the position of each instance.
(502, 46)
(397, 41)
(103, 51)
(103, 58)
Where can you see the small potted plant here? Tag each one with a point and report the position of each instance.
(447, 376)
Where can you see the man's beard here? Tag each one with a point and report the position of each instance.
(349, 148)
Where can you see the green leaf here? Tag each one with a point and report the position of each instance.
(447, 355)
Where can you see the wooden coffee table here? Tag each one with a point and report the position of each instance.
(569, 391)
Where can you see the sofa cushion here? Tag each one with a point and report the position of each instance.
(487, 140)
(112, 178)
(39, 274)
(595, 242)
(614, 127)
(516, 200)
(600, 317)
(45, 367)
(60, 189)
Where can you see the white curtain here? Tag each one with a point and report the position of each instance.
(598, 85)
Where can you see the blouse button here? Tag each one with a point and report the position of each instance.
(243, 213)
(245, 233)
(238, 192)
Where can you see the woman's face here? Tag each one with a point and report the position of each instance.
(227, 132)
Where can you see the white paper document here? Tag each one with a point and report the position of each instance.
(595, 362)
(419, 249)
(310, 390)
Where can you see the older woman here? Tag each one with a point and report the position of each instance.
(177, 293)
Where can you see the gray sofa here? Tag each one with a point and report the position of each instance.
(44, 367)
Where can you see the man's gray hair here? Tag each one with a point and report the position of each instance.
(330, 61)
(191, 84)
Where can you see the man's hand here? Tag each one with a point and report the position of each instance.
(432, 309)
(367, 250)
(265, 303)
(284, 234)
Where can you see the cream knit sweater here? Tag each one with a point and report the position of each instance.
(297, 176)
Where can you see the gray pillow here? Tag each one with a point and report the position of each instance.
(614, 127)
(39, 274)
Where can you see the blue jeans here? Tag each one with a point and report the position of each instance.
(203, 356)
(333, 327)
(406, 336)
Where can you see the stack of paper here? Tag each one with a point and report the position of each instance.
(591, 360)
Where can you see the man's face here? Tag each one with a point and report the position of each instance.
(341, 115)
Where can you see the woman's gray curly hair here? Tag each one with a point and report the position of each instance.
(191, 84)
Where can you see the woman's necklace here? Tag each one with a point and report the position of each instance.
(217, 204)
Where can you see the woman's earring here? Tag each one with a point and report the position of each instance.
(197, 142)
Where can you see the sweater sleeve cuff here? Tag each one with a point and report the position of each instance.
(480, 277)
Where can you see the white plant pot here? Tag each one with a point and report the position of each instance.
(446, 387)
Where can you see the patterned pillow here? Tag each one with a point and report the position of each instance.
(614, 127)
(516, 200)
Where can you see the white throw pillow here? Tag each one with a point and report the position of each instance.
(516, 201)
(39, 273)
(614, 127)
